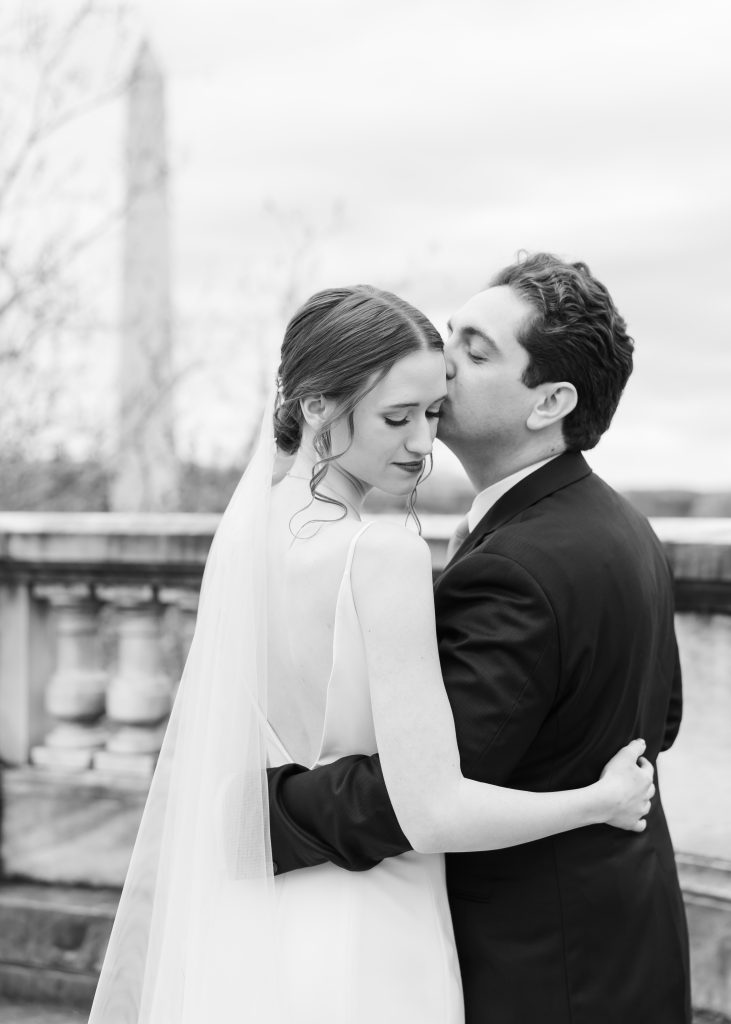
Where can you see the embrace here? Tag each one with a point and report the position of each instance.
(380, 802)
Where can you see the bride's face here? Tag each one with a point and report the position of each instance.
(394, 425)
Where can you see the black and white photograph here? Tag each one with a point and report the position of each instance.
(365, 512)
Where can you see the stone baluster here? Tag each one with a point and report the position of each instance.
(184, 608)
(75, 693)
(188, 604)
(139, 696)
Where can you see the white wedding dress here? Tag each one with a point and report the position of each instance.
(370, 947)
(204, 930)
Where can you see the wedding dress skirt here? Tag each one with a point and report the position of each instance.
(370, 947)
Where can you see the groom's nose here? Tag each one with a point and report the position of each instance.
(449, 360)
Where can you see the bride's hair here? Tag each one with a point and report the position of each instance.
(340, 344)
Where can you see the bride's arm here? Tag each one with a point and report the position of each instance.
(437, 808)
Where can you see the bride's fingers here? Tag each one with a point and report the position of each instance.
(646, 765)
(635, 749)
(639, 826)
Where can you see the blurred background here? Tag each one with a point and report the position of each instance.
(176, 177)
(271, 149)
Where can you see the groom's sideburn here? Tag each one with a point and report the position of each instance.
(556, 637)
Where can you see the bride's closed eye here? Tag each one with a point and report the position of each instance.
(401, 423)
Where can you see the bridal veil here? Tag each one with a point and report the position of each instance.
(193, 937)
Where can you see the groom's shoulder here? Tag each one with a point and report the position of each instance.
(560, 544)
(612, 508)
(588, 516)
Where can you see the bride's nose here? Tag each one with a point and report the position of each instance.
(420, 440)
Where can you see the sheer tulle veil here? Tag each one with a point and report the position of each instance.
(193, 939)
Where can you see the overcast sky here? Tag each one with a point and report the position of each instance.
(434, 140)
(418, 146)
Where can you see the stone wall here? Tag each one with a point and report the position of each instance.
(96, 613)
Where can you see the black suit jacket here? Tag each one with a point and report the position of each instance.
(555, 626)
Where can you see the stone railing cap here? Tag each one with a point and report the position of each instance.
(147, 545)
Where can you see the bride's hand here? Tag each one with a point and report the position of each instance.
(627, 782)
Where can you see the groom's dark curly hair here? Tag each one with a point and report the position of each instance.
(576, 335)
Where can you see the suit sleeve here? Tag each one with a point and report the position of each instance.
(338, 812)
(500, 655)
(675, 705)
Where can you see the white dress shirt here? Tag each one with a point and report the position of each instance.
(487, 498)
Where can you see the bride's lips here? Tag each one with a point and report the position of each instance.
(411, 467)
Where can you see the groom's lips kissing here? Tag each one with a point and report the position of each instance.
(411, 467)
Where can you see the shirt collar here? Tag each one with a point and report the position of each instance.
(487, 498)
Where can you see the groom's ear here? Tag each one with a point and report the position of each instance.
(555, 402)
(317, 410)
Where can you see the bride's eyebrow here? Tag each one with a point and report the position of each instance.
(413, 405)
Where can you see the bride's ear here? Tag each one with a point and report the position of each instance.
(317, 411)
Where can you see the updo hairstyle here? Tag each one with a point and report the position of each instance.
(340, 344)
(335, 344)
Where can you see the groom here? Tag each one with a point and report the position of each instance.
(555, 624)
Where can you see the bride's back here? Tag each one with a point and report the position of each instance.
(360, 381)
(304, 579)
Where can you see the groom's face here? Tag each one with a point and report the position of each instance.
(488, 403)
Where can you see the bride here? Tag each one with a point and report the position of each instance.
(315, 639)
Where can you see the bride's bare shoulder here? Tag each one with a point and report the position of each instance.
(392, 578)
(391, 548)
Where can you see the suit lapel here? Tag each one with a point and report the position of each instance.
(562, 471)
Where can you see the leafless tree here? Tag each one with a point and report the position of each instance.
(59, 64)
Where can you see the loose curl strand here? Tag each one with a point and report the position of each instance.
(340, 344)
(411, 512)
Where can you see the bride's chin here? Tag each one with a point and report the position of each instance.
(397, 490)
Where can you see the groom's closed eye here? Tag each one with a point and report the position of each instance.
(480, 342)
(479, 347)
(477, 354)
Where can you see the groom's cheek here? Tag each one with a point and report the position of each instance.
(443, 424)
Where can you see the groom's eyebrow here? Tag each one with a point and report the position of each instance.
(474, 332)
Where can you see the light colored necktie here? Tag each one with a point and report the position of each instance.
(459, 535)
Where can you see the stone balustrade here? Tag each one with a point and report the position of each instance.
(96, 616)
(97, 613)
(76, 691)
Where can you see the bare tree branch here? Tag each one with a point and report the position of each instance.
(52, 76)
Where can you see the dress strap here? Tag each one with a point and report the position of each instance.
(276, 742)
(351, 550)
(269, 730)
